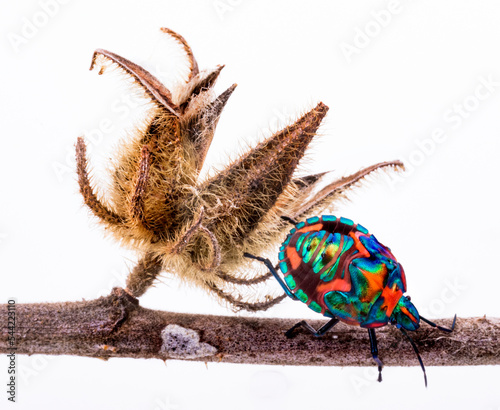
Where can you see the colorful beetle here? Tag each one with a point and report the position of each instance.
(341, 271)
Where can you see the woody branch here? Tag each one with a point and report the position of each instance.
(116, 326)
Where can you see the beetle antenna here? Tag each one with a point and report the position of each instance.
(288, 219)
(444, 329)
(416, 352)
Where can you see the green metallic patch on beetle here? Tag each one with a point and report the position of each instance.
(338, 301)
(310, 245)
(348, 243)
(312, 220)
(346, 221)
(290, 281)
(330, 273)
(314, 306)
(300, 225)
(299, 242)
(374, 267)
(325, 253)
(302, 296)
(329, 218)
(281, 255)
(362, 229)
(287, 240)
(283, 267)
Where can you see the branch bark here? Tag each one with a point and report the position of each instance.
(116, 326)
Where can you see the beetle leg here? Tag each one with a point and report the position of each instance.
(374, 349)
(318, 333)
(444, 329)
(270, 266)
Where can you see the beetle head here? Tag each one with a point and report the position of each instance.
(405, 315)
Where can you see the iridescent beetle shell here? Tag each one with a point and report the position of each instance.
(340, 270)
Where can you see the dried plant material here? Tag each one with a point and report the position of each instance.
(199, 229)
(88, 328)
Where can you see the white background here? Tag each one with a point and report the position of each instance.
(406, 73)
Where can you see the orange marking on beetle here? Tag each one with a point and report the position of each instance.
(363, 253)
(391, 298)
(336, 284)
(293, 257)
(375, 284)
(309, 228)
(407, 313)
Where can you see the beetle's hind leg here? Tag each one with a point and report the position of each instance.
(318, 333)
(374, 350)
(270, 266)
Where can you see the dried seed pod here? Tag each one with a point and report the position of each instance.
(196, 229)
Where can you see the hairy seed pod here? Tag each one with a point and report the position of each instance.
(199, 229)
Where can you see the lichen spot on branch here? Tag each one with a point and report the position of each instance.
(182, 343)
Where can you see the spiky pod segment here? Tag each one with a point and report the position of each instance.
(199, 230)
